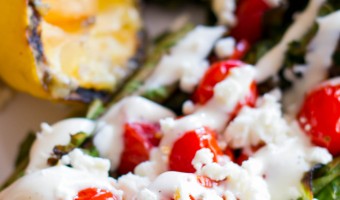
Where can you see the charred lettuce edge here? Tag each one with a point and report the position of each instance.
(322, 182)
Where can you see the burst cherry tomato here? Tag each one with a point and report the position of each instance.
(215, 74)
(319, 116)
(246, 153)
(95, 194)
(249, 15)
(185, 148)
(240, 50)
(139, 139)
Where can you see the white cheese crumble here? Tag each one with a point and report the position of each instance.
(80, 161)
(186, 61)
(57, 134)
(109, 139)
(255, 125)
(244, 182)
(216, 112)
(225, 47)
(235, 88)
(202, 157)
(131, 185)
(225, 11)
(182, 185)
(157, 164)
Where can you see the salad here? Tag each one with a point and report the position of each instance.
(248, 109)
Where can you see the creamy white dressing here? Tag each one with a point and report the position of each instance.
(283, 164)
(56, 183)
(57, 134)
(271, 62)
(109, 139)
(225, 11)
(186, 61)
(318, 60)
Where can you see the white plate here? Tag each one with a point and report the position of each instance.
(25, 113)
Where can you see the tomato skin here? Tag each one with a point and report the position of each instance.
(185, 148)
(229, 152)
(242, 47)
(319, 116)
(249, 20)
(246, 153)
(216, 73)
(139, 139)
(249, 100)
(95, 194)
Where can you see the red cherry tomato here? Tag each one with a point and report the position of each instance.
(230, 154)
(319, 116)
(249, 15)
(95, 194)
(249, 100)
(216, 73)
(185, 148)
(240, 51)
(139, 139)
(245, 154)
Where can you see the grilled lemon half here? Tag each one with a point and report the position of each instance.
(68, 49)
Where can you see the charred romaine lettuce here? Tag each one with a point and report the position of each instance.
(322, 182)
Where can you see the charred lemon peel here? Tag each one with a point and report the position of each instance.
(59, 49)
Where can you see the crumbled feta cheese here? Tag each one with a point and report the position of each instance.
(192, 74)
(202, 157)
(156, 165)
(319, 155)
(244, 184)
(131, 185)
(255, 125)
(178, 184)
(230, 91)
(93, 165)
(225, 47)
